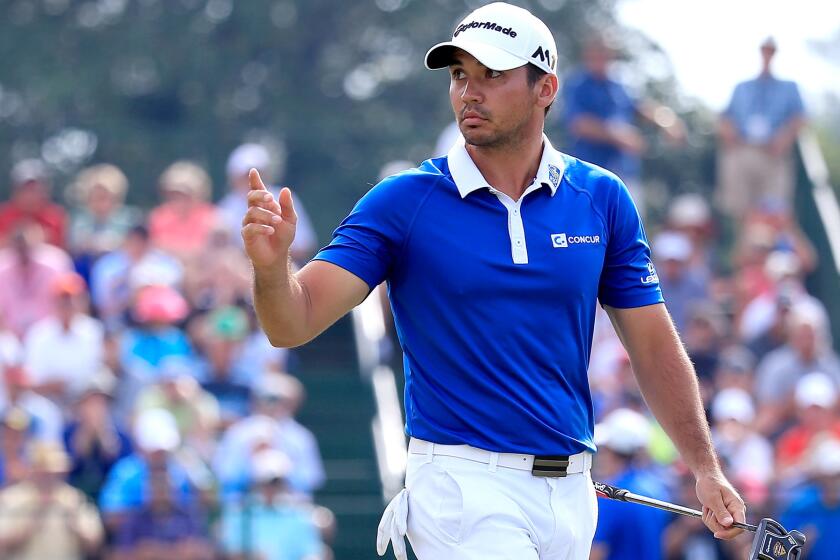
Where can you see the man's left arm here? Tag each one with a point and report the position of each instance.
(669, 385)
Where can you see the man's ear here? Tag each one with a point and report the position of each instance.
(547, 88)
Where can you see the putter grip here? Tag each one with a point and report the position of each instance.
(611, 492)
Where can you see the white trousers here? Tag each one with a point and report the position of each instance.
(460, 509)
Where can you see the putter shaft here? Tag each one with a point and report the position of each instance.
(622, 495)
(682, 510)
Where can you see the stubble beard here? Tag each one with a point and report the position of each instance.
(494, 139)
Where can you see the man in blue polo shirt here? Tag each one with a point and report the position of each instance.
(757, 133)
(600, 116)
(495, 256)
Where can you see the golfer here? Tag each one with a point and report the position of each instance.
(496, 257)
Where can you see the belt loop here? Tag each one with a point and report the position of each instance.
(494, 461)
(430, 452)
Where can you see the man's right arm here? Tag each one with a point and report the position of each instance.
(622, 135)
(292, 308)
(295, 308)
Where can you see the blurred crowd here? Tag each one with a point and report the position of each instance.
(143, 413)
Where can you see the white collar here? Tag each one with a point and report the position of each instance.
(468, 178)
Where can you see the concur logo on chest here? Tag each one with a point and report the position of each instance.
(559, 240)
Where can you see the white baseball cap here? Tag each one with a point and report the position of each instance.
(501, 37)
(733, 404)
(270, 464)
(156, 430)
(672, 246)
(815, 389)
(246, 156)
(624, 431)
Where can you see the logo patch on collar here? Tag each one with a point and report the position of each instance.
(554, 175)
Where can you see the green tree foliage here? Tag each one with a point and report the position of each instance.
(340, 84)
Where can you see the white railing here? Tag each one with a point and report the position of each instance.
(387, 424)
(824, 195)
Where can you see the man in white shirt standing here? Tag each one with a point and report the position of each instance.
(65, 350)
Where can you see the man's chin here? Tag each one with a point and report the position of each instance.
(478, 137)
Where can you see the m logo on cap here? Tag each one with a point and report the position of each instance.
(545, 56)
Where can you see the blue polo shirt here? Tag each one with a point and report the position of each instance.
(494, 299)
(585, 94)
(762, 106)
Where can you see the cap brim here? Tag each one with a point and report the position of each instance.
(440, 56)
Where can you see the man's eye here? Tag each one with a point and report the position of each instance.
(493, 73)
(457, 74)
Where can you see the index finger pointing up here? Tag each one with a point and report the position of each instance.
(256, 181)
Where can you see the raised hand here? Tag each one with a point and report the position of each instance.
(269, 225)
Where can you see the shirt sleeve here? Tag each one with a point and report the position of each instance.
(368, 242)
(574, 100)
(628, 278)
(797, 108)
(233, 531)
(121, 490)
(732, 107)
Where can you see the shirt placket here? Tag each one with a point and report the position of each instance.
(516, 227)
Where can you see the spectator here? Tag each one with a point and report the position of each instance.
(807, 349)
(690, 215)
(754, 244)
(196, 411)
(116, 276)
(218, 276)
(31, 204)
(816, 507)
(816, 417)
(101, 222)
(272, 425)
(93, 438)
(164, 528)
(269, 521)
(760, 322)
(735, 369)
(16, 431)
(158, 310)
(625, 531)
(47, 421)
(128, 486)
(28, 270)
(235, 348)
(181, 225)
(682, 290)
(778, 217)
(600, 115)
(757, 131)
(704, 338)
(234, 204)
(747, 455)
(44, 517)
(63, 351)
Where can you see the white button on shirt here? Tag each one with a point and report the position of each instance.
(468, 178)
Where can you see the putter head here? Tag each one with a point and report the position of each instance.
(772, 542)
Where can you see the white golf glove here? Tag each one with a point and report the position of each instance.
(393, 526)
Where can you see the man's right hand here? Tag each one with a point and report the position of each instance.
(268, 227)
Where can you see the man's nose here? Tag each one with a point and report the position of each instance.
(471, 93)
